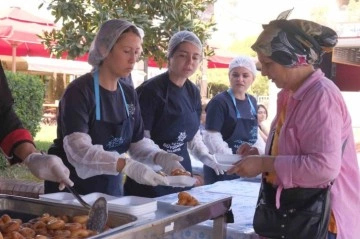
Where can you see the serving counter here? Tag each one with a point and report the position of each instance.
(244, 193)
(165, 220)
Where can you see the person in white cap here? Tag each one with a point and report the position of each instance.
(171, 106)
(99, 120)
(231, 117)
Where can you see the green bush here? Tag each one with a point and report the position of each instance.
(216, 88)
(28, 92)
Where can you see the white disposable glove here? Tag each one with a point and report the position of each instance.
(209, 160)
(215, 143)
(201, 152)
(48, 167)
(143, 174)
(168, 161)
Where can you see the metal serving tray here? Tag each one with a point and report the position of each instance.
(28, 208)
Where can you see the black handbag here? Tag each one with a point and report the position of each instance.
(304, 213)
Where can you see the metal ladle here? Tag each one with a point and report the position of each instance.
(98, 212)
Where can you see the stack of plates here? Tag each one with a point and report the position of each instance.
(133, 205)
(91, 198)
(60, 197)
(128, 204)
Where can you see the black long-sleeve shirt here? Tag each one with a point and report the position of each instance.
(12, 132)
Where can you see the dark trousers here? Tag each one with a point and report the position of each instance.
(331, 236)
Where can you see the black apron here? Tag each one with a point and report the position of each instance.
(245, 131)
(172, 132)
(113, 137)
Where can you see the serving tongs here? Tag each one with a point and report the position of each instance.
(98, 212)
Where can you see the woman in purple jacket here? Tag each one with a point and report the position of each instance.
(311, 142)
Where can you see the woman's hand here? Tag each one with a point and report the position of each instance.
(253, 165)
(246, 149)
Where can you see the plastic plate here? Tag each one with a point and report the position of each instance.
(227, 158)
(181, 181)
(179, 208)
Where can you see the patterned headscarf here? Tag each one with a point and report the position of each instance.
(295, 42)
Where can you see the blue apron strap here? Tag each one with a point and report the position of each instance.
(125, 102)
(97, 95)
(253, 110)
(234, 102)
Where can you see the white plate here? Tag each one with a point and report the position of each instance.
(179, 208)
(227, 158)
(225, 167)
(133, 205)
(91, 198)
(60, 197)
(181, 181)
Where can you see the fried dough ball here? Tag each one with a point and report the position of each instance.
(10, 227)
(73, 226)
(185, 199)
(41, 237)
(17, 235)
(81, 233)
(45, 227)
(5, 218)
(27, 232)
(55, 224)
(180, 172)
(82, 219)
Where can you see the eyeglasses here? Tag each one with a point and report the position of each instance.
(261, 112)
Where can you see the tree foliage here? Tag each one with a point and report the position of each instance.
(350, 10)
(159, 19)
(243, 47)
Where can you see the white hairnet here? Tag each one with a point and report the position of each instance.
(243, 61)
(182, 36)
(106, 38)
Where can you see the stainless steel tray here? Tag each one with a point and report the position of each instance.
(28, 208)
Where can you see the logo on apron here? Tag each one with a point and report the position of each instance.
(175, 146)
(131, 108)
(114, 143)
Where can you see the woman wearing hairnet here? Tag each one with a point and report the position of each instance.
(171, 107)
(231, 118)
(311, 142)
(99, 119)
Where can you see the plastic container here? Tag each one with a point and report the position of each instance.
(91, 198)
(60, 197)
(133, 205)
(181, 181)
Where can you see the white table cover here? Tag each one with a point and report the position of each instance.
(244, 193)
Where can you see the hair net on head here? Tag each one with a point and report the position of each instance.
(106, 38)
(243, 61)
(183, 36)
(141, 32)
